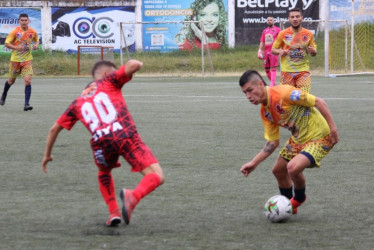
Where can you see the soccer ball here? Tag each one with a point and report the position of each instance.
(278, 208)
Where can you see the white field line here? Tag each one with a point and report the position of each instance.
(174, 98)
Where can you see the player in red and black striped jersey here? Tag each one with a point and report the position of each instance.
(103, 111)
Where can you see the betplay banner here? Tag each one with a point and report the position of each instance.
(251, 16)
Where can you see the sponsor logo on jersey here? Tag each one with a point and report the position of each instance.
(268, 116)
(295, 95)
(279, 109)
(269, 39)
(288, 38)
(297, 54)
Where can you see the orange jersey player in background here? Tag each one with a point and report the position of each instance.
(293, 45)
(21, 40)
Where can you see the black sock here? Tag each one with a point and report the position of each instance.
(5, 92)
(27, 94)
(300, 195)
(286, 192)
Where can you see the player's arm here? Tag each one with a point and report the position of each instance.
(260, 48)
(36, 43)
(277, 48)
(132, 66)
(312, 48)
(321, 105)
(9, 42)
(280, 51)
(125, 73)
(268, 149)
(51, 138)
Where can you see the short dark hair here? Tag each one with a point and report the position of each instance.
(100, 64)
(249, 76)
(23, 15)
(295, 10)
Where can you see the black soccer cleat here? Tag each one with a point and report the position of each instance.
(27, 107)
(2, 101)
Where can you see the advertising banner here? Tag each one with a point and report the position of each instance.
(72, 27)
(363, 11)
(251, 16)
(9, 21)
(174, 36)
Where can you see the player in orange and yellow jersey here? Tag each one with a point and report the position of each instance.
(307, 117)
(293, 45)
(21, 40)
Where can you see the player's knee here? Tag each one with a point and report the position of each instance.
(160, 174)
(292, 169)
(162, 177)
(27, 81)
(279, 172)
(279, 169)
(11, 81)
(155, 168)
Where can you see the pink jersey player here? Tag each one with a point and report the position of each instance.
(268, 37)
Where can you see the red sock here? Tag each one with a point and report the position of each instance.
(149, 183)
(106, 185)
(268, 73)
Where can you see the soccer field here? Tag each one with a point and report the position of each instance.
(201, 130)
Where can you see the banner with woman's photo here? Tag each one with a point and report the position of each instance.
(159, 35)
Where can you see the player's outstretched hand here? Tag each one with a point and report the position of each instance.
(247, 168)
(45, 161)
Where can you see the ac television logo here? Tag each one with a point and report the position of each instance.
(85, 27)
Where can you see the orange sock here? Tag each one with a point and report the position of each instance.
(149, 183)
(106, 185)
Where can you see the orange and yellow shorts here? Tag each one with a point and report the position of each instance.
(299, 80)
(314, 150)
(20, 68)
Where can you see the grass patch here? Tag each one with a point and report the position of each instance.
(225, 60)
(201, 130)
